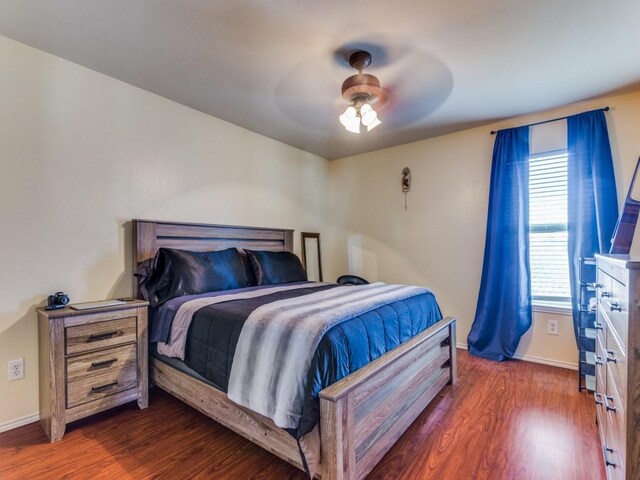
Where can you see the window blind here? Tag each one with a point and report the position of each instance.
(548, 255)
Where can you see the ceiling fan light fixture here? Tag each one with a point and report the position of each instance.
(360, 91)
(368, 114)
(353, 127)
(348, 116)
(373, 124)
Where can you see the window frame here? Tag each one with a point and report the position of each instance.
(549, 304)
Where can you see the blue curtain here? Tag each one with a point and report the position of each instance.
(503, 313)
(592, 196)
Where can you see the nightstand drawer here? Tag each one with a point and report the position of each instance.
(99, 363)
(96, 375)
(93, 336)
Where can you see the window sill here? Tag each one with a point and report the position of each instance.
(552, 307)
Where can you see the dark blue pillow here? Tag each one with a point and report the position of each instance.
(273, 268)
(181, 272)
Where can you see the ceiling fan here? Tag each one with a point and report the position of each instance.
(362, 91)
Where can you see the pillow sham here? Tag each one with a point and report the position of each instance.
(273, 268)
(142, 275)
(246, 263)
(181, 272)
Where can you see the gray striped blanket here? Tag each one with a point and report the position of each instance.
(278, 341)
(182, 321)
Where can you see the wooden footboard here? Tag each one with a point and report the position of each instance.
(215, 404)
(364, 414)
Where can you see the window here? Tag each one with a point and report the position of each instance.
(548, 255)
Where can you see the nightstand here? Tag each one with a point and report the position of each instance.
(90, 361)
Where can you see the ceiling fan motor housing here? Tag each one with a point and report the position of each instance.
(361, 85)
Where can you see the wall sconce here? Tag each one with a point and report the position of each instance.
(406, 184)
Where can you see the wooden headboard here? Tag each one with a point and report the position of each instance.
(149, 236)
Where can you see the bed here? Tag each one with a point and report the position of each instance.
(360, 416)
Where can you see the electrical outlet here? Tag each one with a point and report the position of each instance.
(16, 369)
(552, 327)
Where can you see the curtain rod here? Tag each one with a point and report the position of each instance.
(605, 109)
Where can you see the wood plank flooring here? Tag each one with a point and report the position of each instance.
(513, 420)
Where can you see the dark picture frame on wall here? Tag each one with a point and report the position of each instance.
(311, 256)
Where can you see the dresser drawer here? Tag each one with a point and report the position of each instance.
(99, 374)
(600, 367)
(603, 282)
(616, 272)
(601, 389)
(94, 336)
(617, 310)
(616, 431)
(601, 329)
(616, 366)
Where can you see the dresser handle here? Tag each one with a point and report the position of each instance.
(96, 337)
(611, 357)
(598, 360)
(615, 307)
(99, 388)
(598, 326)
(598, 398)
(104, 363)
(608, 399)
(607, 462)
(605, 294)
(598, 285)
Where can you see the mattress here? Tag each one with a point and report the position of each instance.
(345, 348)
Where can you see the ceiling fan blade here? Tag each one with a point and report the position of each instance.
(416, 86)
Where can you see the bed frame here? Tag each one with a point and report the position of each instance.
(361, 416)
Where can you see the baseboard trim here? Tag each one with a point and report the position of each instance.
(533, 359)
(20, 422)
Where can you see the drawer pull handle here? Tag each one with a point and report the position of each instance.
(99, 388)
(611, 357)
(615, 307)
(608, 462)
(598, 326)
(608, 399)
(598, 360)
(96, 337)
(605, 294)
(598, 398)
(104, 363)
(598, 285)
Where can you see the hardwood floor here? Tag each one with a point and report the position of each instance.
(513, 420)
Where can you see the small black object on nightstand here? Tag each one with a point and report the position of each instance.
(57, 300)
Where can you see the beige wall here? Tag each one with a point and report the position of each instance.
(439, 240)
(81, 155)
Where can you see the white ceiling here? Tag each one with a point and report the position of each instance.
(275, 67)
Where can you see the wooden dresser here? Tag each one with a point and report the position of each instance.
(617, 360)
(90, 361)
